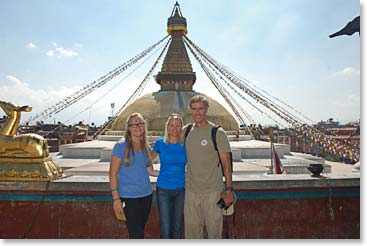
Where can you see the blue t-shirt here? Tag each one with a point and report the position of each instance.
(133, 179)
(173, 160)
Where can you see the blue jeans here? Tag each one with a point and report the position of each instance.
(170, 206)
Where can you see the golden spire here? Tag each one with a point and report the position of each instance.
(176, 73)
(176, 22)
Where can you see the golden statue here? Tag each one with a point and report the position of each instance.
(26, 156)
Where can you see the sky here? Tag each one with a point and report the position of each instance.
(51, 49)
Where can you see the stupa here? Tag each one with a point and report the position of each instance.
(176, 79)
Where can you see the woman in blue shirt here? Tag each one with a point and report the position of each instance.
(131, 164)
(171, 178)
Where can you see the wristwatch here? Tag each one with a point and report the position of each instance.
(229, 188)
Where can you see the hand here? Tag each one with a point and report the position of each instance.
(228, 197)
(117, 206)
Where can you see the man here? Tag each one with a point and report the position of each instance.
(204, 178)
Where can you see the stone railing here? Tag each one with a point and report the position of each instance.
(267, 207)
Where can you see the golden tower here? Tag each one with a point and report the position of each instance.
(176, 73)
(176, 79)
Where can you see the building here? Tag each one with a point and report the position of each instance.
(176, 79)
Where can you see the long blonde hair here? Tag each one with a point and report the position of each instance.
(172, 117)
(129, 143)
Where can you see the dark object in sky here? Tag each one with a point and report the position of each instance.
(349, 29)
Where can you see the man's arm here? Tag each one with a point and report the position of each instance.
(227, 172)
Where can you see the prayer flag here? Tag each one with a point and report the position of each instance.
(277, 165)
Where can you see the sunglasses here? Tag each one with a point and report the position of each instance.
(137, 125)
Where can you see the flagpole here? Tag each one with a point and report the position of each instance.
(271, 150)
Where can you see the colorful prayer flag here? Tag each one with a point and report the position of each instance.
(277, 165)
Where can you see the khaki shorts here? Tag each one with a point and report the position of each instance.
(201, 209)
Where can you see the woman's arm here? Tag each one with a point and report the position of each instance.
(150, 169)
(154, 154)
(114, 184)
(152, 172)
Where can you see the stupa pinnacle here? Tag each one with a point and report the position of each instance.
(176, 79)
(176, 71)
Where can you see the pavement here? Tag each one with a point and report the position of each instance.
(339, 167)
(251, 157)
(96, 167)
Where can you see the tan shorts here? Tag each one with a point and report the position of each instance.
(200, 210)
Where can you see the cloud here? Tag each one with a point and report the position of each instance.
(66, 52)
(347, 72)
(354, 99)
(94, 107)
(31, 46)
(15, 79)
(60, 52)
(20, 93)
(50, 53)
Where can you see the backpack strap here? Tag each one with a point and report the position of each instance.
(214, 139)
(188, 129)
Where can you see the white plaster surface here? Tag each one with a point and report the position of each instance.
(250, 157)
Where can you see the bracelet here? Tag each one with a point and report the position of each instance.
(229, 188)
(113, 190)
(115, 199)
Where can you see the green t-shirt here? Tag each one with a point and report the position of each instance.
(203, 173)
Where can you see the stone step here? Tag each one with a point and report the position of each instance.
(243, 167)
(247, 149)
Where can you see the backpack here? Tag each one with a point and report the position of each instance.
(214, 139)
